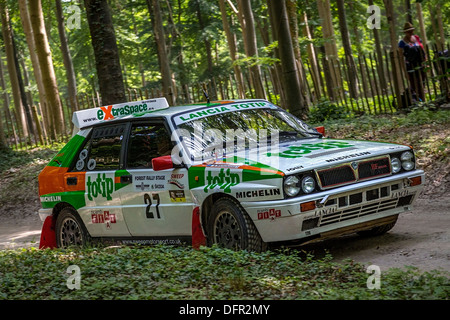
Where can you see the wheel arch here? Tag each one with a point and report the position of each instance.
(59, 207)
(207, 205)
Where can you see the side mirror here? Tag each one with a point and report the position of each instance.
(162, 163)
(321, 130)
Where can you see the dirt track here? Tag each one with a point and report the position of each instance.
(421, 238)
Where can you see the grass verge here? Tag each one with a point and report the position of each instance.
(164, 272)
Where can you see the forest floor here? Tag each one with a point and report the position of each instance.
(421, 238)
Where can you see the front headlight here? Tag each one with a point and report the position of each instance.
(396, 165)
(407, 158)
(308, 184)
(291, 187)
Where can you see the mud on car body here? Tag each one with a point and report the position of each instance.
(241, 174)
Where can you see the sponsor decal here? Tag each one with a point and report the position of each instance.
(268, 214)
(101, 186)
(353, 155)
(103, 217)
(50, 198)
(145, 183)
(399, 194)
(295, 168)
(223, 179)
(258, 193)
(177, 196)
(87, 117)
(325, 211)
(376, 166)
(306, 148)
(220, 109)
(174, 180)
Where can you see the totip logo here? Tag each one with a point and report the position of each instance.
(100, 186)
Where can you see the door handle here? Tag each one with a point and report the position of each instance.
(126, 179)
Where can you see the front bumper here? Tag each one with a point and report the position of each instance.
(337, 211)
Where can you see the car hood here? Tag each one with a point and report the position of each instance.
(308, 154)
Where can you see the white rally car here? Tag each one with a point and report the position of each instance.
(240, 174)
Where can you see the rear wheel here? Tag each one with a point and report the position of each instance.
(230, 227)
(70, 230)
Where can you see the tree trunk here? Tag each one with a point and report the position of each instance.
(352, 71)
(67, 58)
(423, 33)
(396, 71)
(251, 48)
(12, 70)
(312, 57)
(378, 50)
(324, 9)
(290, 76)
(26, 24)
(107, 61)
(231, 38)
(440, 26)
(291, 7)
(45, 61)
(160, 39)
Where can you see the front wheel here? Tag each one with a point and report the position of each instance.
(70, 230)
(230, 227)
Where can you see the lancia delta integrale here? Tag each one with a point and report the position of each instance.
(240, 174)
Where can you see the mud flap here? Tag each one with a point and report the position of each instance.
(48, 235)
(198, 237)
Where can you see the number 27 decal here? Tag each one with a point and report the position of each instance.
(148, 210)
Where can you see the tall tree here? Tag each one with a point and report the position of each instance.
(352, 71)
(46, 64)
(312, 58)
(12, 68)
(231, 39)
(291, 7)
(250, 44)
(331, 54)
(163, 58)
(107, 61)
(67, 57)
(29, 35)
(290, 75)
(396, 71)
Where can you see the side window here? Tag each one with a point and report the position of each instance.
(102, 151)
(147, 141)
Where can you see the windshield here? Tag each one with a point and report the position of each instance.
(229, 130)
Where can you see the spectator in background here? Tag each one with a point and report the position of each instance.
(414, 54)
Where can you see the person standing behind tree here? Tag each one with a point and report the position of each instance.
(414, 54)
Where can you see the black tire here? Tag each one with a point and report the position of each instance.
(70, 229)
(229, 226)
(377, 231)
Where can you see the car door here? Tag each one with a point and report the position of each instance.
(97, 167)
(157, 204)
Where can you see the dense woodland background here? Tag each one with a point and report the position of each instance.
(310, 57)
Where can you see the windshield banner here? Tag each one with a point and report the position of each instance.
(218, 109)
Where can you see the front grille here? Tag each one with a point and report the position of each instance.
(336, 176)
(374, 168)
(358, 211)
(358, 204)
(353, 172)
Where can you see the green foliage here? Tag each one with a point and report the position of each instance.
(164, 272)
(327, 110)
